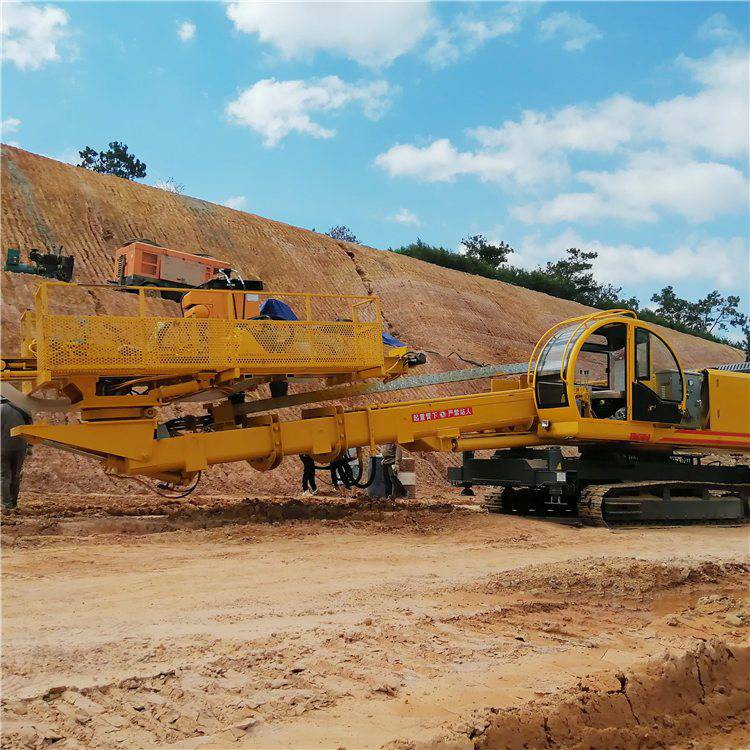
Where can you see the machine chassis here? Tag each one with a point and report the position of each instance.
(668, 487)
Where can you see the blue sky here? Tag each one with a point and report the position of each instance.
(619, 127)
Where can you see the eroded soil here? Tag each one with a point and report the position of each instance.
(251, 623)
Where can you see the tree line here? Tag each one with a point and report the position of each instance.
(572, 278)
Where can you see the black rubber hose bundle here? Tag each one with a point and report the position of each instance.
(342, 472)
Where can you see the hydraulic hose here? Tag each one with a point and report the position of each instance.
(344, 474)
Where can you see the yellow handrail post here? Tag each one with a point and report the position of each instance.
(142, 307)
(42, 299)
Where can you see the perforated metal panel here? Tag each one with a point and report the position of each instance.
(74, 344)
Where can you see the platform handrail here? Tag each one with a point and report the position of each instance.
(332, 337)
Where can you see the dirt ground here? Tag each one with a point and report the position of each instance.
(270, 623)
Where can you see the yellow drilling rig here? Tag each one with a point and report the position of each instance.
(606, 384)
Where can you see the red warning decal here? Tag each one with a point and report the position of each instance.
(430, 416)
(640, 437)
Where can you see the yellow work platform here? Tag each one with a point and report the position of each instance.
(336, 334)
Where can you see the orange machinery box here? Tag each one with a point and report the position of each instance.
(142, 264)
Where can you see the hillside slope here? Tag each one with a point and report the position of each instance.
(445, 312)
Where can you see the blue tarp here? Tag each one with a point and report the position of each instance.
(389, 340)
(278, 310)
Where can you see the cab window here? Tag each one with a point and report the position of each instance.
(642, 361)
(656, 366)
(551, 391)
(657, 385)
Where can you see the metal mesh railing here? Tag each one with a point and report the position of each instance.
(69, 344)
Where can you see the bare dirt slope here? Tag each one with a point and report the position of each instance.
(412, 626)
(46, 203)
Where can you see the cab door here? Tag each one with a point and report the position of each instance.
(657, 388)
(599, 373)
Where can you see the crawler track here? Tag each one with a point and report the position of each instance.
(663, 504)
(624, 505)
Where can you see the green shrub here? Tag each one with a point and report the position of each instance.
(553, 281)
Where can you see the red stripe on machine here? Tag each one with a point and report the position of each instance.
(431, 416)
(713, 432)
(703, 441)
(640, 437)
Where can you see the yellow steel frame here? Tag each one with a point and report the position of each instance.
(503, 418)
(129, 446)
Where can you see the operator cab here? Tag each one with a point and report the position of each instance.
(609, 366)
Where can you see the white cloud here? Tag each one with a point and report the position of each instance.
(685, 121)
(479, 31)
(405, 216)
(444, 50)
(572, 207)
(600, 128)
(716, 28)
(710, 260)
(698, 191)
(276, 108)
(648, 185)
(574, 30)
(9, 125)
(186, 30)
(440, 161)
(693, 122)
(373, 34)
(31, 33)
(467, 33)
(236, 201)
(666, 156)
